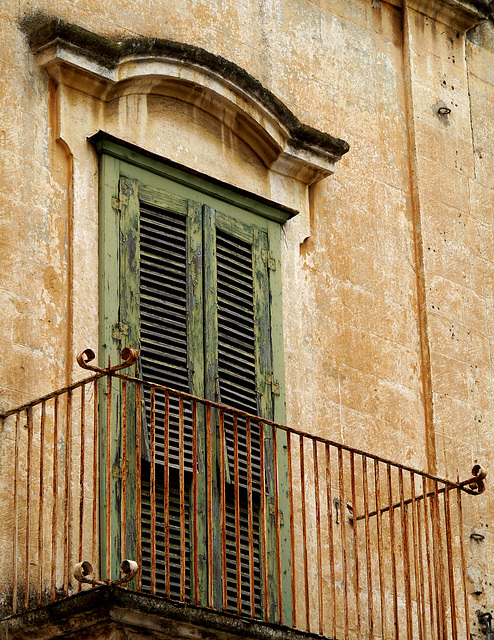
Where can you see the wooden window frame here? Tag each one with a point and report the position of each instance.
(117, 163)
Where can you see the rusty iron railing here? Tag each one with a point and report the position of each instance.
(250, 516)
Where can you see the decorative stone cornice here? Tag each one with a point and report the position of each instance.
(108, 69)
(458, 14)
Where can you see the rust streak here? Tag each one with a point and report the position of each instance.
(223, 509)
(41, 501)
(329, 492)
(153, 490)
(139, 483)
(292, 528)
(82, 474)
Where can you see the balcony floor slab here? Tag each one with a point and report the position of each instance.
(115, 613)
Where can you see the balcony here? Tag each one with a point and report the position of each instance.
(236, 523)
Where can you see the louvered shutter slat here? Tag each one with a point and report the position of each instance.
(164, 360)
(174, 538)
(163, 313)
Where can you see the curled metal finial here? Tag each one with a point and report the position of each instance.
(129, 355)
(475, 485)
(85, 357)
(84, 572)
(485, 619)
(128, 570)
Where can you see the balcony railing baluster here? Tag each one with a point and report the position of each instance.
(230, 511)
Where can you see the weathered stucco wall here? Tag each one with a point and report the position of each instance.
(353, 258)
(388, 271)
(479, 236)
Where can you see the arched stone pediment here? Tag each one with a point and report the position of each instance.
(108, 70)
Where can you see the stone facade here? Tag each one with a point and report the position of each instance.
(388, 270)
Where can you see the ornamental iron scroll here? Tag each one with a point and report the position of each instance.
(84, 573)
(475, 485)
(129, 355)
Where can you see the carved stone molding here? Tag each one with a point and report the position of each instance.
(457, 14)
(108, 69)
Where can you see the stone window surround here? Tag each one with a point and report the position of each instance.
(108, 69)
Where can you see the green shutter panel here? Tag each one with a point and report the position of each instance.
(233, 290)
(237, 388)
(237, 371)
(167, 279)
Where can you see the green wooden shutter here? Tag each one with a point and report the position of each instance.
(234, 314)
(170, 318)
(237, 371)
(236, 290)
(169, 285)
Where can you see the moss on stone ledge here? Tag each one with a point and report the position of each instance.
(42, 30)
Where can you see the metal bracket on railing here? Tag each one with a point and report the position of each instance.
(128, 354)
(475, 485)
(485, 619)
(84, 572)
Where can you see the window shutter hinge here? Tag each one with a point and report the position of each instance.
(275, 386)
(272, 512)
(120, 330)
(270, 261)
(117, 203)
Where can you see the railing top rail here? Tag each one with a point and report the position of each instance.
(471, 485)
(50, 396)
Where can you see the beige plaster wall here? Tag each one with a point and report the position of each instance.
(351, 262)
(479, 239)
(388, 272)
